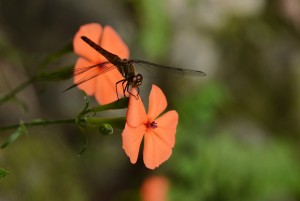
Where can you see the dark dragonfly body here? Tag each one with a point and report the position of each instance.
(126, 67)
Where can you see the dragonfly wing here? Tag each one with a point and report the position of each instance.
(167, 69)
(84, 76)
(80, 70)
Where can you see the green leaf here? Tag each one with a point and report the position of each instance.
(63, 73)
(14, 136)
(3, 172)
(119, 104)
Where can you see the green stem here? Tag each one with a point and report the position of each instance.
(119, 104)
(116, 122)
(62, 74)
(90, 121)
(39, 122)
(59, 75)
(68, 48)
(17, 89)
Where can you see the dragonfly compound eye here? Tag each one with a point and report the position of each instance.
(139, 77)
(137, 80)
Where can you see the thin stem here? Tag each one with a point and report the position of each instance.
(117, 122)
(62, 74)
(13, 92)
(90, 121)
(68, 48)
(59, 75)
(39, 122)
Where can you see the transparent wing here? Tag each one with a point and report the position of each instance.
(167, 69)
(79, 71)
(91, 72)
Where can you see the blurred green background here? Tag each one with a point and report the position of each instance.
(238, 136)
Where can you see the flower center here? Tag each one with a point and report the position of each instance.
(152, 124)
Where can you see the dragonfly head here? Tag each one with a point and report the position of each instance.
(136, 80)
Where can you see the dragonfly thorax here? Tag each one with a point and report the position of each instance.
(126, 68)
(133, 79)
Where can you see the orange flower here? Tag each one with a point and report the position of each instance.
(103, 87)
(159, 132)
(155, 188)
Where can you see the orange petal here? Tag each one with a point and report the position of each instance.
(157, 102)
(93, 31)
(155, 188)
(167, 125)
(156, 151)
(158, 142)
(132, 138)
(106, 87)
(136, 114)
(113, 43)
(89, 86)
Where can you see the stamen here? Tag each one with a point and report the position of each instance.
(152, 124)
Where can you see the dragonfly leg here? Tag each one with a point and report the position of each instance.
(136, 96)
(138, 92)
(124, 87)
(121, 81)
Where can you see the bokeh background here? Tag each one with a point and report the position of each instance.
(238, 136)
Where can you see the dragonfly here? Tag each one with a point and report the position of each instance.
(127, 68)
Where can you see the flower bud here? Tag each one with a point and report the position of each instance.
(106, 129)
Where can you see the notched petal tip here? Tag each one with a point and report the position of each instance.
(157, 102)
(93, 31)
(156, 149)
(112, 42)
(159, 142)
(167, 125)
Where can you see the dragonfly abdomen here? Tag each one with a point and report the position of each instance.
(112, 58)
